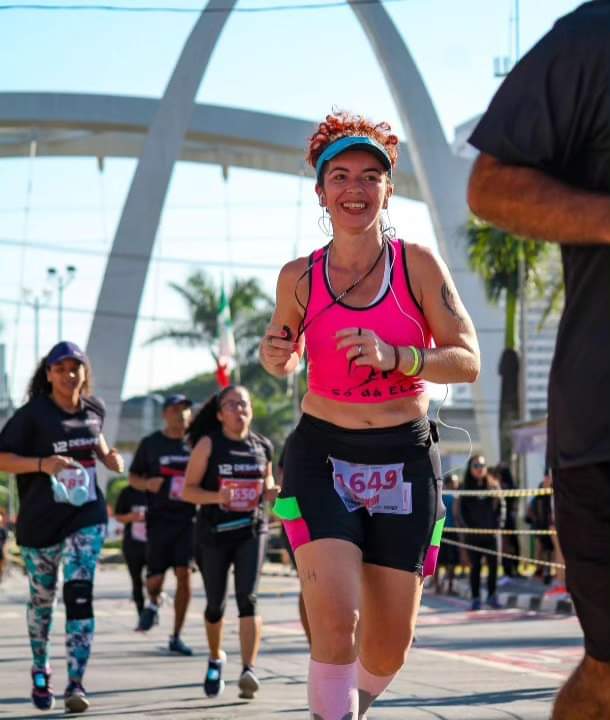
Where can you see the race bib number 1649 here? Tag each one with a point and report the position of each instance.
(378, 488)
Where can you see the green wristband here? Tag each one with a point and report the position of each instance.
(416, 361)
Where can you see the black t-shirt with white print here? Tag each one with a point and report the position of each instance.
(242, 465)
(552, 113)
(41, 428)
(160, 455)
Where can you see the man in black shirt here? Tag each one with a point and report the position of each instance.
(158, 469)
(544, 172)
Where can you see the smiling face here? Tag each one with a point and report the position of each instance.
(355, 190)
(67, 378)
(235, 412)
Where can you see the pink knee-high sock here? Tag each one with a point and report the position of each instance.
(370, 686)
(332, 691)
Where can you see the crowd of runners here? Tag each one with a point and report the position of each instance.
(361, 485)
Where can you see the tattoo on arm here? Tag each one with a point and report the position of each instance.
(449, 301)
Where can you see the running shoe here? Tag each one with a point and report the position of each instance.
(176, 645)
(248, 684)
(42, 692)
(148, 618)
(476, 604)
(213, 685)
(493, 602)
(75, 698)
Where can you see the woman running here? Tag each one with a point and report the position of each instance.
(52, 443)
(130, 509)
(229, 476)
(361, 497)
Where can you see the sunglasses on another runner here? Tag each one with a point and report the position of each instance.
(478, 466)
(235, 404)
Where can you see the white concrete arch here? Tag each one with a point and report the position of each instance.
(161, 132)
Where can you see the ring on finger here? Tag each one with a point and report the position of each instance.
(359, 349)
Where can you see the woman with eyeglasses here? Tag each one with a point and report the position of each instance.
(361, 496)
(482, 512)
(229, 476)
(52, 443)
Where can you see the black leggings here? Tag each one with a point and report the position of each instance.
(214, 561)
(475, 566)
(135, 557)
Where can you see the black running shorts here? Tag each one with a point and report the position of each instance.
(336, 481)
(169, 545)
(582, 514)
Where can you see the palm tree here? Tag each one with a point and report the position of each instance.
(250, 309)
(495, 255)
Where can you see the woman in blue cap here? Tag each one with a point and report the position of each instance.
(361, 497)
(51, 444)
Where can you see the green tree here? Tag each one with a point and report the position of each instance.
(495, 255)
(250, 307)
(251, 310)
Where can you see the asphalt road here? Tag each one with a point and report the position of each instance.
(490, 665)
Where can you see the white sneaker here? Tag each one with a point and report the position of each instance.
(248, 685)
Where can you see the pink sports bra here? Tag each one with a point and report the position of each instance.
(396, 317)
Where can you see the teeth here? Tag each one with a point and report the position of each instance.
(353, 205)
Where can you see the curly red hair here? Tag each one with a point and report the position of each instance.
(343, 124)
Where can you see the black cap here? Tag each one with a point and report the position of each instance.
(64, 350)
(177, 399)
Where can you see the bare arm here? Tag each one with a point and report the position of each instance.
(195, 470)
(111, 458)
(279, 353)
(528, 202)
(19, 464)
(456, 357)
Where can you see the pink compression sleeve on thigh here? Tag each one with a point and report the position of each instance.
(332, 691)
(370, 686)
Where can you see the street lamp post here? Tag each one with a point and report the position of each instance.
(63, 280)
(34, 301)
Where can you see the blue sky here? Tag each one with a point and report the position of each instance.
(296, 62)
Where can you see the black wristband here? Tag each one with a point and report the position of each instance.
(421, 364)
(396, 359)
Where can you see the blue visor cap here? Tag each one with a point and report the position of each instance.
(63, 351)
(353, 142)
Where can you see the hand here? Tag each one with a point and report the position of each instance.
(225, 495)
(366, 348)
(54, 464)
(139, 516)
(114, 461)
(153, 484)
(277, 347)
(271, 493)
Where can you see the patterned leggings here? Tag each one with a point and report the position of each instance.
(78, 554)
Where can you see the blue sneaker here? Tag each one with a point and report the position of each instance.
(492, 601)
(177, 645)
(42, 692)
(476, 604)
(148, 618)
(213, 685)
